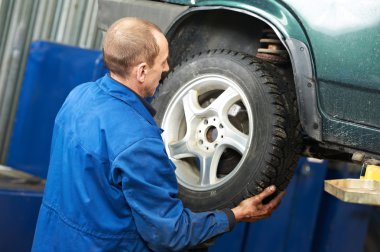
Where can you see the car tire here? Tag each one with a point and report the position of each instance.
(230, 126)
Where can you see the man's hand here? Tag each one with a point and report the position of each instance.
(253, 209)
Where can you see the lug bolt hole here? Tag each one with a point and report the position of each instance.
(206, 122)
(200, 141)
(221, 126)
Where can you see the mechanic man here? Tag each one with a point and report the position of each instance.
(111, 185)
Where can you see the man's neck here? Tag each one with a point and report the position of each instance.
(128, 83)
(125, 82)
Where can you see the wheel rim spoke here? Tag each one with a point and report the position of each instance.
(180, 149)
(191, 106)
(224, 101)
(234, 138)
(209, 166)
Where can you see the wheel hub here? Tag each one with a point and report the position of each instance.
(209, 133)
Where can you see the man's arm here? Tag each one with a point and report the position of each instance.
(150, 188)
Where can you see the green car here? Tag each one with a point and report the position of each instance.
(256, 83)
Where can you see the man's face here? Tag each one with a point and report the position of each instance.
(160, 65)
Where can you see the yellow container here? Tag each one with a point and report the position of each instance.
(371, 172)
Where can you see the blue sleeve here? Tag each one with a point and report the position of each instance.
(150, 188)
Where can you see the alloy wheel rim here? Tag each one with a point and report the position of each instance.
(201, 131)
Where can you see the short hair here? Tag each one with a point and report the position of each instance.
(128, 42)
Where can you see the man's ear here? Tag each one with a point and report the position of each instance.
(141, 71)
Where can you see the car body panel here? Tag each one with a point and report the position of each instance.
(161, 14)
(345, 42)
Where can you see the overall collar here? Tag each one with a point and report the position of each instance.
(127, 95)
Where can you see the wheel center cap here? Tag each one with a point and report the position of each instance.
(211, 134)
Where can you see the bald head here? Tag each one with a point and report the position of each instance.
(128, 42)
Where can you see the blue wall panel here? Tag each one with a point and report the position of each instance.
(18, 216)
(52, 71)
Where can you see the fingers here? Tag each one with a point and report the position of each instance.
(267, 192)
(252, 209)
(279, 196)
(264, 211)
(274, 203)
